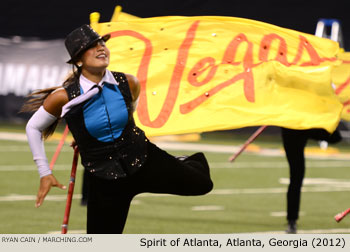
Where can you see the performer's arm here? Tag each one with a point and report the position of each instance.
(41, 120)
(134, 89)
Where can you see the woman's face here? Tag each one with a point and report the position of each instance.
(96, 58)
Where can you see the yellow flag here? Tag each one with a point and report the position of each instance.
(213, 73)
(119, 15)
(341, 79)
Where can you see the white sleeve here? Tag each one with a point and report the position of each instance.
(40, 120)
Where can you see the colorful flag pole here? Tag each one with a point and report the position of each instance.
(341, 215)
(249, 141)
(59, 147)
(70, 191)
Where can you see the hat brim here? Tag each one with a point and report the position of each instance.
(104, 38)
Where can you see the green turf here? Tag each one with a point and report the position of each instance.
(239, 211)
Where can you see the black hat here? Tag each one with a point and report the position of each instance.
(82, 39)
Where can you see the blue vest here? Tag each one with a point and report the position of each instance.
(105, 114)
(111, 145)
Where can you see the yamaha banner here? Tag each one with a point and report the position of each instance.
(27, 65)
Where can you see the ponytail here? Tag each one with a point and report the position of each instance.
(37, 98)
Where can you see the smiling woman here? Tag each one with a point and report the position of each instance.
(120, 161)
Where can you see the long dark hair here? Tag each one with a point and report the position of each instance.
(36, 99)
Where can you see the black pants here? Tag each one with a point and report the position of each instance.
(294, 142)
(109, 200)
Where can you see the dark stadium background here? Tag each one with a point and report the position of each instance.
(54, 19)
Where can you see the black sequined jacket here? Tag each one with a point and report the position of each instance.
(109, 160)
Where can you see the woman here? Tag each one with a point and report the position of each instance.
(294, 143)
(98, 107)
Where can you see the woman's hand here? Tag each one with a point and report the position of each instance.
(46, 183)
(73, 144)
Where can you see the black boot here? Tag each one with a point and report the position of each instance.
(292, 227)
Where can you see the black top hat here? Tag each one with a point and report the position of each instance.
(82, 39)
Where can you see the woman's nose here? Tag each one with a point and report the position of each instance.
(100, 43)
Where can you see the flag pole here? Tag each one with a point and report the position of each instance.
(249, 141)
(59, 147)
(341, 215)
(70, 191)
(116, 13)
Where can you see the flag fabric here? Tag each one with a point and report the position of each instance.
(216, 73)
(341, 79)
